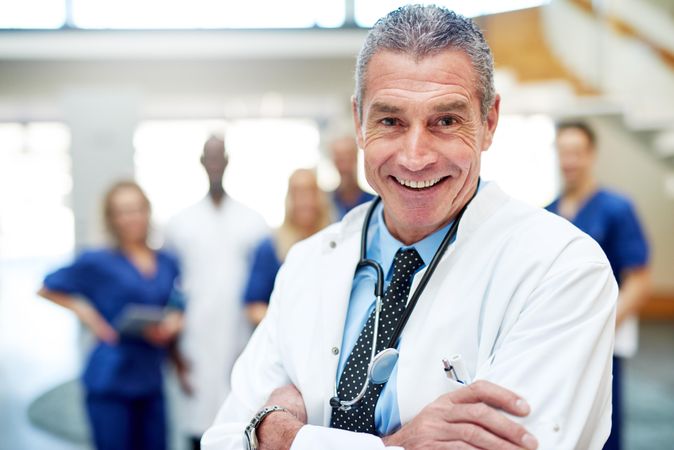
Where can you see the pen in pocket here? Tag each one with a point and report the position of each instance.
(455, 369)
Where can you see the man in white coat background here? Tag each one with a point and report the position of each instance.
(214, 240)
(525, 298)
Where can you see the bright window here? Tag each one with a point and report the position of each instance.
(153, 14)
(262, 155)
(522, 159)
(32, 13)
(35, 184)
(195, 14)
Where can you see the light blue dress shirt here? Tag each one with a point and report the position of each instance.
(382, 247)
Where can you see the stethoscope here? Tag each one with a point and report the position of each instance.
(381, 364)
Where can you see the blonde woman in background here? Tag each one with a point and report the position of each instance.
(307, 211)
(123, 374)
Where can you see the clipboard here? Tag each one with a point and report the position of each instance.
(133, 319)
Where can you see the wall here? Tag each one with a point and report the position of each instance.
(33, 89)
(103, 98)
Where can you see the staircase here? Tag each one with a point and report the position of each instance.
(625, 51)
(613, 59)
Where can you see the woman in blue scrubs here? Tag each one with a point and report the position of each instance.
(307, 211)
(122, 377)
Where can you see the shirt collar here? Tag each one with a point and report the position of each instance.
(389, 245)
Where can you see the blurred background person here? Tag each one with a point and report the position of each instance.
(610, 219)
(344, 153)
(122, 378)
(307, 212)
(214, 241)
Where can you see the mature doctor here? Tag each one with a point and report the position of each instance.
(525, 299)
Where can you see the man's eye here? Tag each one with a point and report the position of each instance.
(389, 121)
(446, 121)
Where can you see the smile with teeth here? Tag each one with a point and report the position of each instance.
(421, 184)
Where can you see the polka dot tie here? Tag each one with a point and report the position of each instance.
(360, 417)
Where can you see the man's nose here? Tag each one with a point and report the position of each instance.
(417, 152)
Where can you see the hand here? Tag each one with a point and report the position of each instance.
(184, 381)
(278, 430)
(468, 418)
(290, 398)
(182, 368)
(95, 322)
(166, 331)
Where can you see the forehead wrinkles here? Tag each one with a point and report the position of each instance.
(404, 82)
(455, 99)
(391, 73)
(402, 101)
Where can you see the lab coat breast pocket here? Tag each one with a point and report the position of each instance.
(453, 385)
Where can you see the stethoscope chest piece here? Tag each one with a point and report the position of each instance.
(382, 365)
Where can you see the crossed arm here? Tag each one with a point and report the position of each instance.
(469, 418)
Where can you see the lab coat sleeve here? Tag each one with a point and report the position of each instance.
(557, 354)
(257, 372)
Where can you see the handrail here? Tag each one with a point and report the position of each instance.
(625, 29)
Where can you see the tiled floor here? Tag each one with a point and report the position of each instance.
(649, 390)
(39, 342)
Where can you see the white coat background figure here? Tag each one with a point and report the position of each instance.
(214, 240)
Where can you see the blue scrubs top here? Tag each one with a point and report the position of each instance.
(108, 280)
(342, 208)
(610, 219)
(266, 265)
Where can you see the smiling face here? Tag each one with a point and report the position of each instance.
(422, 134)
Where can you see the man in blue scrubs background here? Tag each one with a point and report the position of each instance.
(610, 219)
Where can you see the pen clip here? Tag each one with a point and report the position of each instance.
(450, 371)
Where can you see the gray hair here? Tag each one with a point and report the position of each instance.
(420, 31)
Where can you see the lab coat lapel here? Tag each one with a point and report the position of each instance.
(411, 401)
(338, 265)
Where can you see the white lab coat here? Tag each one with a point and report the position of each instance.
(214, 246)
(524, 296)
(627, 338)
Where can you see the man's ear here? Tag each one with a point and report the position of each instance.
(492, 122)
(357, 122)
